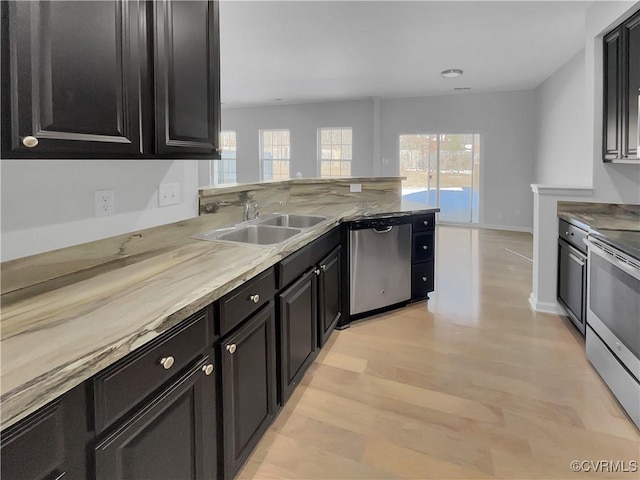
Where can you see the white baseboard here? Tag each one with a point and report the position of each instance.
(507, 228)
(545, 307)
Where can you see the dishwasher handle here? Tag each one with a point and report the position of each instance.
(383, 229)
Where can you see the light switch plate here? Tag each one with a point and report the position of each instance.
(168, 194)
(104, 203)
(355, 187)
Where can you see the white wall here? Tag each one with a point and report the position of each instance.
(561, 127)
(506, 122)
(49, 204)
(303, 120)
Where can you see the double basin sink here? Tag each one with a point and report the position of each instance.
(268, 231)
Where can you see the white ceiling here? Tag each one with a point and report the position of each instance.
(314, 51)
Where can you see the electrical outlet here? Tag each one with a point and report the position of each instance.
(168, 194)
(105, 203)
(355, 187)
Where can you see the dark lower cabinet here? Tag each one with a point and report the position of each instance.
(248, 379)
(422, 257)
(329, 295)
(49, 444)
(173, 436)
(298, 331)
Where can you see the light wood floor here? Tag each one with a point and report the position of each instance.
(472, 384)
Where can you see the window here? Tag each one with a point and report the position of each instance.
(335, 151)
(224, 170)
(275, 154)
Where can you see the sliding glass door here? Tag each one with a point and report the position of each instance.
(442, 170)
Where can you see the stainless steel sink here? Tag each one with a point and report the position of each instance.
(253, 234)
(292, 220)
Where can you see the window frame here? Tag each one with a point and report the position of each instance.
(261, 159)
(219, 162)
(319, 152)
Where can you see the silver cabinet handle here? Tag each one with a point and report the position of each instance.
(383, 230)
(254, 298)
(30, 141)
(424, 279)
(167, 362)
(323, 268)
(231, 348)
(208, 369)
(317, 271)
(219, 150)
(424, 247)
(426, 222)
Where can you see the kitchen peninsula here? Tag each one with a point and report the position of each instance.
(70, 315)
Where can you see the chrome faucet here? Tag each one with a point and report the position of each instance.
(251, 211)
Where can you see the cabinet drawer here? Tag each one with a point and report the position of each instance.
(422, 280)
(299, 262)
(424, 222)
(422, 247)
(121, 386)
(246, 299)
(572, 234)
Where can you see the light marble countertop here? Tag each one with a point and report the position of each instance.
(59, 332)
(597, 216)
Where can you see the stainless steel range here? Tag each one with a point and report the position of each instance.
(613, 314)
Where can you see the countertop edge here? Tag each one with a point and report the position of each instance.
(67, 376)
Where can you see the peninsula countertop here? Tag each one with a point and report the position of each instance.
(81, 317)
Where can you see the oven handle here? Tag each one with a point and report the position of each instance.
(579, 261)
(624, 266)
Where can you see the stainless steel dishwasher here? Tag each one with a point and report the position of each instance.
(380, 263)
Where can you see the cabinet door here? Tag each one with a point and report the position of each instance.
(187, 77)
(298, 316)
(73, 78)
(50, 443)
(330, 297)
(248, 387)
(171, 437)
(612, 129)
(631, 75)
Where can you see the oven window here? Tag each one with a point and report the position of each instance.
(615, 299)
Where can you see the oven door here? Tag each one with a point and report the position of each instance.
(613, 301)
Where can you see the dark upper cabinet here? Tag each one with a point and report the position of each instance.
(329, 294)
(298, 330)
(186, 76)
(50, 443)
(173, 436)
(248, 382)
(73, 78)
(110, 79)
(621, 95)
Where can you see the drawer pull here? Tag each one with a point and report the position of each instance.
(30, 141)
(426, 222)
(231, 348)
(167, 362)
(208, 369)
(424, 279)
(424, 247)
(254, 298)
(317, 271)
(323, 268)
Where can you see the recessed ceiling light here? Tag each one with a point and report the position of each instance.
(462, 88)
(451, 73)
